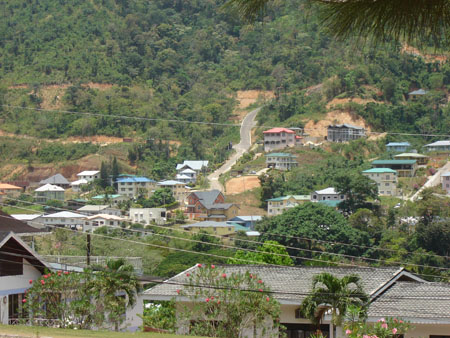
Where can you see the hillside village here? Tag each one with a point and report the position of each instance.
(210, 169)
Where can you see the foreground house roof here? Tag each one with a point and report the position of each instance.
(7, 186)
(414, 302)
(327, 191)
(291, 284)
(64, 214)
(9, 223)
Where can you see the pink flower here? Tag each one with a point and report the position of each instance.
(30, 281)
(199, 265)
(24, 300)
(384, 326)
(207, 300)
(348, 331)
(260, 281)
(374, 336)
(366, 336)
(66, 272)
(400, 321)
(395, 320)
(267, 299)
(213, 266)
(42, 282)
(212, 297)
(218, 302)
(394, 330)
(260, 290)
(178, 291)
(381, 320)
(59, 273)
(188, 274)
(224, 275)
(45, 276)
(251, 275)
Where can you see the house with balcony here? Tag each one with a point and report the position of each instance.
(209, 206)
(281, 161)
(404, 168)
(344, 132)
(48, 192)
(186, 169)
(385, 178)
(148, 216)
(445, 180)
(89, 175)
(280, 138)
(438, 146)
(187, 176)
(398, 147)
(133, 187)
(276, 206)
(329, 194)
(179, 190)
(420, 159)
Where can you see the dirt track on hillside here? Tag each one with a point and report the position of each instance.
(240, 184)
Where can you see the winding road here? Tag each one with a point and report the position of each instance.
(248, 123)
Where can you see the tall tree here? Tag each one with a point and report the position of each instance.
(331, 293)
(103, 175)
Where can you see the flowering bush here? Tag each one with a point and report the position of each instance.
(227, 303)
(383, 328)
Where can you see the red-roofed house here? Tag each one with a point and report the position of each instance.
(279, 138)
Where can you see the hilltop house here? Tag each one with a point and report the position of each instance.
(147, 216)
(279, 138)
(420, 159)
(134, 186)
(327, 194)
(15, 274)
(89, 175)
(344, 132)
(392, 291)
(281, 161)
(186, 168)
(398, 146)
(209, 206)
(49, 192)
(445, 178)
(385, 178)
(10, 190)
(58, 180)
(415, 94)
(276, 206)
(92, 209)
(443, 146)
(404, 168)
(179, 190)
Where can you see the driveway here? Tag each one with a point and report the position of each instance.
(432, 181)
(248, 123)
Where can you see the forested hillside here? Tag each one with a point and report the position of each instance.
(184, 60)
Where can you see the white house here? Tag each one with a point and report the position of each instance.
(76, 185)
(100, 220)
(49, 192)
(276, 206)
(438, 146)
(197, 166)
(66, 219)
(89, 175)
(326, 194)
(187, 176)
(91, 209)
(15, 274)
(148, 215)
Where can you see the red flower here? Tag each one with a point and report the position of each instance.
(218, 302)
(188, 274)
(178, 291)
(224, 275)
(207, 300)
(260, 290)
(42, 282)
(24, 300)
(213, 266)
(260, 281)
(30, 281)
(212, 297)
(45, 276)
(251, 276)
(66, 272)
(59, 273)
(267, 299)
(199, 265)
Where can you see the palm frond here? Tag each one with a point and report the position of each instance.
(249, 10)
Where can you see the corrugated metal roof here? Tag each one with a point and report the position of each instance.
(380, 170)
(279, 130)
(394, 162)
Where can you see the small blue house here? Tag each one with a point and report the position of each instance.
(398, 146)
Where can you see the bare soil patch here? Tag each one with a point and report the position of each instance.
(336, 101)
(238, 185)
(246, 98)
(319, 129)
(248, 202)
(427, 57)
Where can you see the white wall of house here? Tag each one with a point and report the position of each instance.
(147, 215)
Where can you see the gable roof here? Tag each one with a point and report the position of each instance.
(289, 284)
(414, 302)
(207, 196)
(49, 187)
(194, 165)
(79, 182)
(438, 143)
(327, 191)
(171, 182)
(93, 207)
(279, 130)
(296, 197)
(418, 92)
(55, 179)
(416, 155)
(64, 214)
(9, 223)
(345, 125)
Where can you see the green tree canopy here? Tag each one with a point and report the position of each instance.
(271, 252)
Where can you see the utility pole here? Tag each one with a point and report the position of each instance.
(88, 249)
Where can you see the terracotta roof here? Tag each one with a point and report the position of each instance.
(6, 186)
(279, 130)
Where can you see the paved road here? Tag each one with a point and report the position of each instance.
(432, 181)
(243, 146)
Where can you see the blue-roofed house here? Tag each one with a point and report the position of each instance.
(134, 186)
(398, 147)
(415, 94)
(246, 221)
(385, 178)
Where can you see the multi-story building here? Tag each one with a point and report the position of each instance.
(49, 192)
(445, 177)
(179, 190)
(281, 161)
(279, 138)
(209, 206)
(404, 168)
(327, 194)
(136, 186)
(344, 132)
(191, 169)
(398, 146)
(385, 178)
(276, 206)
(58, 180)
(148, 215)
(89, 175)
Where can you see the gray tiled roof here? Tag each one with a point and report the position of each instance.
(289, 283)
(55, 179)
(208, 196)
(413, 300)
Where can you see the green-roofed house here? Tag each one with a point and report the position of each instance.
(281, 161)
(276, 206)
(113, 199)
(385, 178)
(404, 168)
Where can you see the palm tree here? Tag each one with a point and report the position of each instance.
(331, 293)
(117, 286)
(410, 20)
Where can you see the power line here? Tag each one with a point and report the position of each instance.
(274, 254)
(126, 117)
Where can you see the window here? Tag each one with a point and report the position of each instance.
(386, 184)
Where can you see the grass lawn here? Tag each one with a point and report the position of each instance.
(35, 331)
